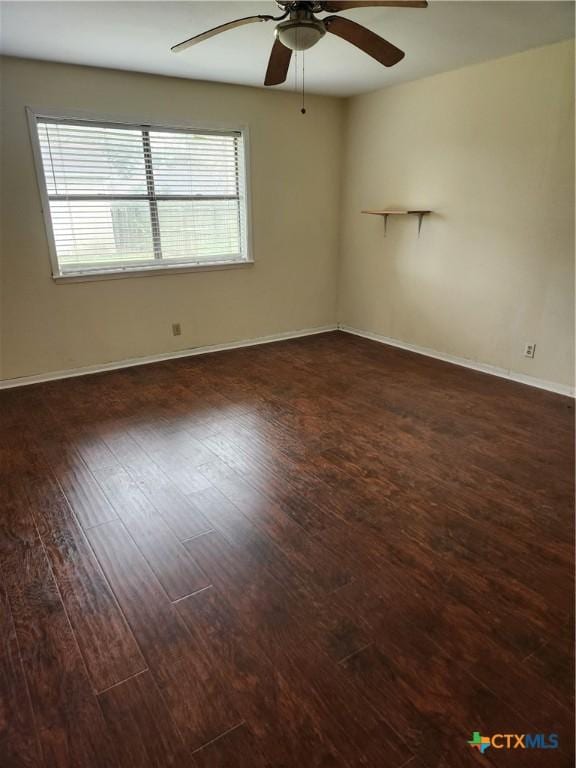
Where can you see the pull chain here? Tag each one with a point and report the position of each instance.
(302, 86)
(296, 71)
(303, 110)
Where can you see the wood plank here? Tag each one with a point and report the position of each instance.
(194, 692)
(176, 452)
(84, 495)
(56, 452)
(360, 490)
(91, 447)
(236, 749)
(175, 569)
(141, 725)
(105, 640)
(183, 517)
(285, 731)
(423, 710)
(349, 723)
(317, 564)
(184, 475)
(19, 744)
(179, 513)
(70, 725)
(335, 630)
(553, 663)
(399, 611)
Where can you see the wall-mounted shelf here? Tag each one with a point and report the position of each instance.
(387, 213)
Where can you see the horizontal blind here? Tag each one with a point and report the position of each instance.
(125, 197)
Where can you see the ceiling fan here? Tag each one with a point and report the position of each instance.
(299, 29)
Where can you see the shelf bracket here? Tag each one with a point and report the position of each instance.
(389, 212)
(420, 217)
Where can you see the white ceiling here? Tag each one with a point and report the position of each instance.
(138, 35)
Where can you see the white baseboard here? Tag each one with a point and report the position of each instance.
(493, 370)
(134, 361)
(551, 386)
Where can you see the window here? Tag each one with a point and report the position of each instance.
(126, 198)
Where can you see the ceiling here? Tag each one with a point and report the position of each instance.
(138, 35)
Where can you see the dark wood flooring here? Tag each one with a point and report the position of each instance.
(312, 554)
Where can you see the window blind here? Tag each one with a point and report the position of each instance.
(137, 197)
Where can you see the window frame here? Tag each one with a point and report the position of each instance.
(34, 114)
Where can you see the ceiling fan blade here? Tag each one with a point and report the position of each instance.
(217, 30)
(363, 38)
(333, 6)
(278, 64)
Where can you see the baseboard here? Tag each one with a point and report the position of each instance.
(493, 370)
(531, 381)
(131, 362)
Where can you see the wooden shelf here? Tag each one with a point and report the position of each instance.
(396, 213)
(390, 212)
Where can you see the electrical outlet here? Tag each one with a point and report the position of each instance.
(176, 329)
(529, 350)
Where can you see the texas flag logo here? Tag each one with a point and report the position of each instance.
(481, 743)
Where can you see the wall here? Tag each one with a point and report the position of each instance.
(489, 149)
(295, 194)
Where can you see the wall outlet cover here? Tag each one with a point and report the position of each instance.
(529, 350)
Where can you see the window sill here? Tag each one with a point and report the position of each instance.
(114, 274)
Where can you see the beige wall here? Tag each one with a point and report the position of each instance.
(47, 327)
(489, 148)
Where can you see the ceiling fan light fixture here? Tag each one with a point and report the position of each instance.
(300, 34)
(303, 30)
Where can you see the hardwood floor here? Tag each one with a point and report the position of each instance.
(320, 553)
